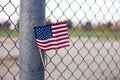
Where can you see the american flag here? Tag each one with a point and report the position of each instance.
(52, 36)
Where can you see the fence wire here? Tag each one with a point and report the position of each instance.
(94, 29)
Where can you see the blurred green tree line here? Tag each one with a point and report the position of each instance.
(89, 26)
(5, 25)
(85, 27)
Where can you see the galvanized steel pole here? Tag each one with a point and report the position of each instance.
(31, 67)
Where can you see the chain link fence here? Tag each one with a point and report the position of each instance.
(94, 29)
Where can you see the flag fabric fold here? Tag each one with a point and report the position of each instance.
(52, 36)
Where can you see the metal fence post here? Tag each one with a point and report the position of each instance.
(30, 64)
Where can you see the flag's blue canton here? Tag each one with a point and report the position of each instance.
(43, 32)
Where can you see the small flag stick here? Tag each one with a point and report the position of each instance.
(41, 56)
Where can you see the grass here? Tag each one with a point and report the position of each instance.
(73, 33)
(7, 33)
(95, 34)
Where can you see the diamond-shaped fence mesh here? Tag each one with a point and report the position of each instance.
(94, 29)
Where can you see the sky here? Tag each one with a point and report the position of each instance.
(8, 9)
(85, 10)
(79, 11)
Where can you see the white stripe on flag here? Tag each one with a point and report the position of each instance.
(52, 43)
(54, 47)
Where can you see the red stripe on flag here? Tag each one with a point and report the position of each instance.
(49, 41)
(46, 49)
(54, 44)
(54, 28)
(59, 31)
(61, 35)
(59, 23)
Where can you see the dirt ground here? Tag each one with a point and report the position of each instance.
(8, 55)
(85, 60)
